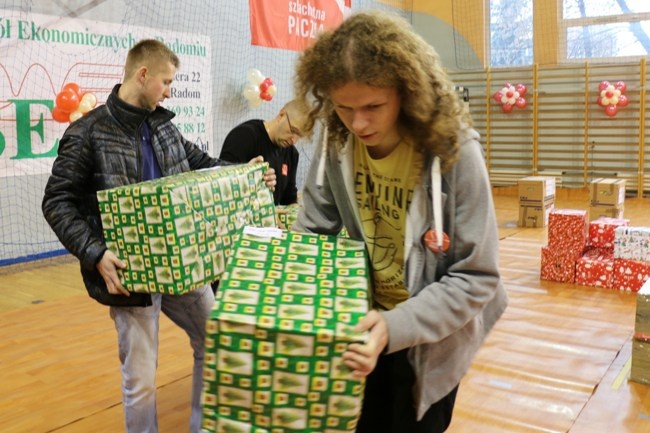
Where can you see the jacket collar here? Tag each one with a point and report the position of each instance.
(131, 117)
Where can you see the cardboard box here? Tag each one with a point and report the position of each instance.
(607, 192)
(175, 233)
(642, 320)
(536, 189)
(640, 371)
(535, 214)
(606, 211)
(284, 315)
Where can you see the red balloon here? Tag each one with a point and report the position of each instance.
(67, 100)
(611, 110)
(268, 81)
(623, 101)
(507, 108)
(620, 85)
(603, 85)
(599, 101)
(60, 115)
(521, 89)
(74, 87)
(498, 96)
(266, 96)
(520, 103)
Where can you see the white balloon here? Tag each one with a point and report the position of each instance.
(255, 103)
(272, 90)
(255, 76)
(85, 106)
(90, 99)
(251, 92)
(75, 115)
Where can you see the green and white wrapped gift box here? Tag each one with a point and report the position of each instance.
(176, 233)
(287, 215)
(284, 315)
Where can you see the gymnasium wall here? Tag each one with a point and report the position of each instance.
(31, 71)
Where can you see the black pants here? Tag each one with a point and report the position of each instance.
(388, 405)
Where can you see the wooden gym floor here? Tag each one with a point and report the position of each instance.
(558, 360)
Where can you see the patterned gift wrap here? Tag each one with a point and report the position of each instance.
(632, 243)
(284, 314)
(567, 229)
(602, 230)
(630, 275)
(595, 268)
(176, 232)
(286, 215)
(558, 265)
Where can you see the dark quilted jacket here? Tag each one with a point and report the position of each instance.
(100, 151)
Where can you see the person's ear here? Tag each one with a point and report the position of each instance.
(141, 74)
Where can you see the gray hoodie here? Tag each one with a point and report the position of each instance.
(455, 297)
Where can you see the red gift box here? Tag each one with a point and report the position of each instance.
(601, 231)
(595, 268)
(558, 265)
(630, 274)
(567, 229)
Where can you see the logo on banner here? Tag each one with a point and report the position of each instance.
(48, 65)
(292, 25)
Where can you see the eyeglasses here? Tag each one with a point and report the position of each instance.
(294, 131)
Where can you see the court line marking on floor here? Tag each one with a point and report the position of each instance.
(622, 375)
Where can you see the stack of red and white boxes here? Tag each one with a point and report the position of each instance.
(596, 266)
(631, 257)
(567, 239)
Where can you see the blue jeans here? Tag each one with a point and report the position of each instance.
(137, 336)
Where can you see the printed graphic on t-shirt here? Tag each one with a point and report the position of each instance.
(384, 189)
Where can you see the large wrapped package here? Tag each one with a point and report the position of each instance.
(175, 233)
(284, 314)
(632, 243)
(287, 215)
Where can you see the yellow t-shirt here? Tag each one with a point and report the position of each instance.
(384, 189)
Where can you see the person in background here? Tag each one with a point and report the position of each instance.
(128, 140)
(275, 141)
(400, 167)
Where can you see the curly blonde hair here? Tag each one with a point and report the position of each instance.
(380, 49)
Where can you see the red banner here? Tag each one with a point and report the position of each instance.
(293, 25)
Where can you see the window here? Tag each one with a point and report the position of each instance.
(511, 33)
(605, 29)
